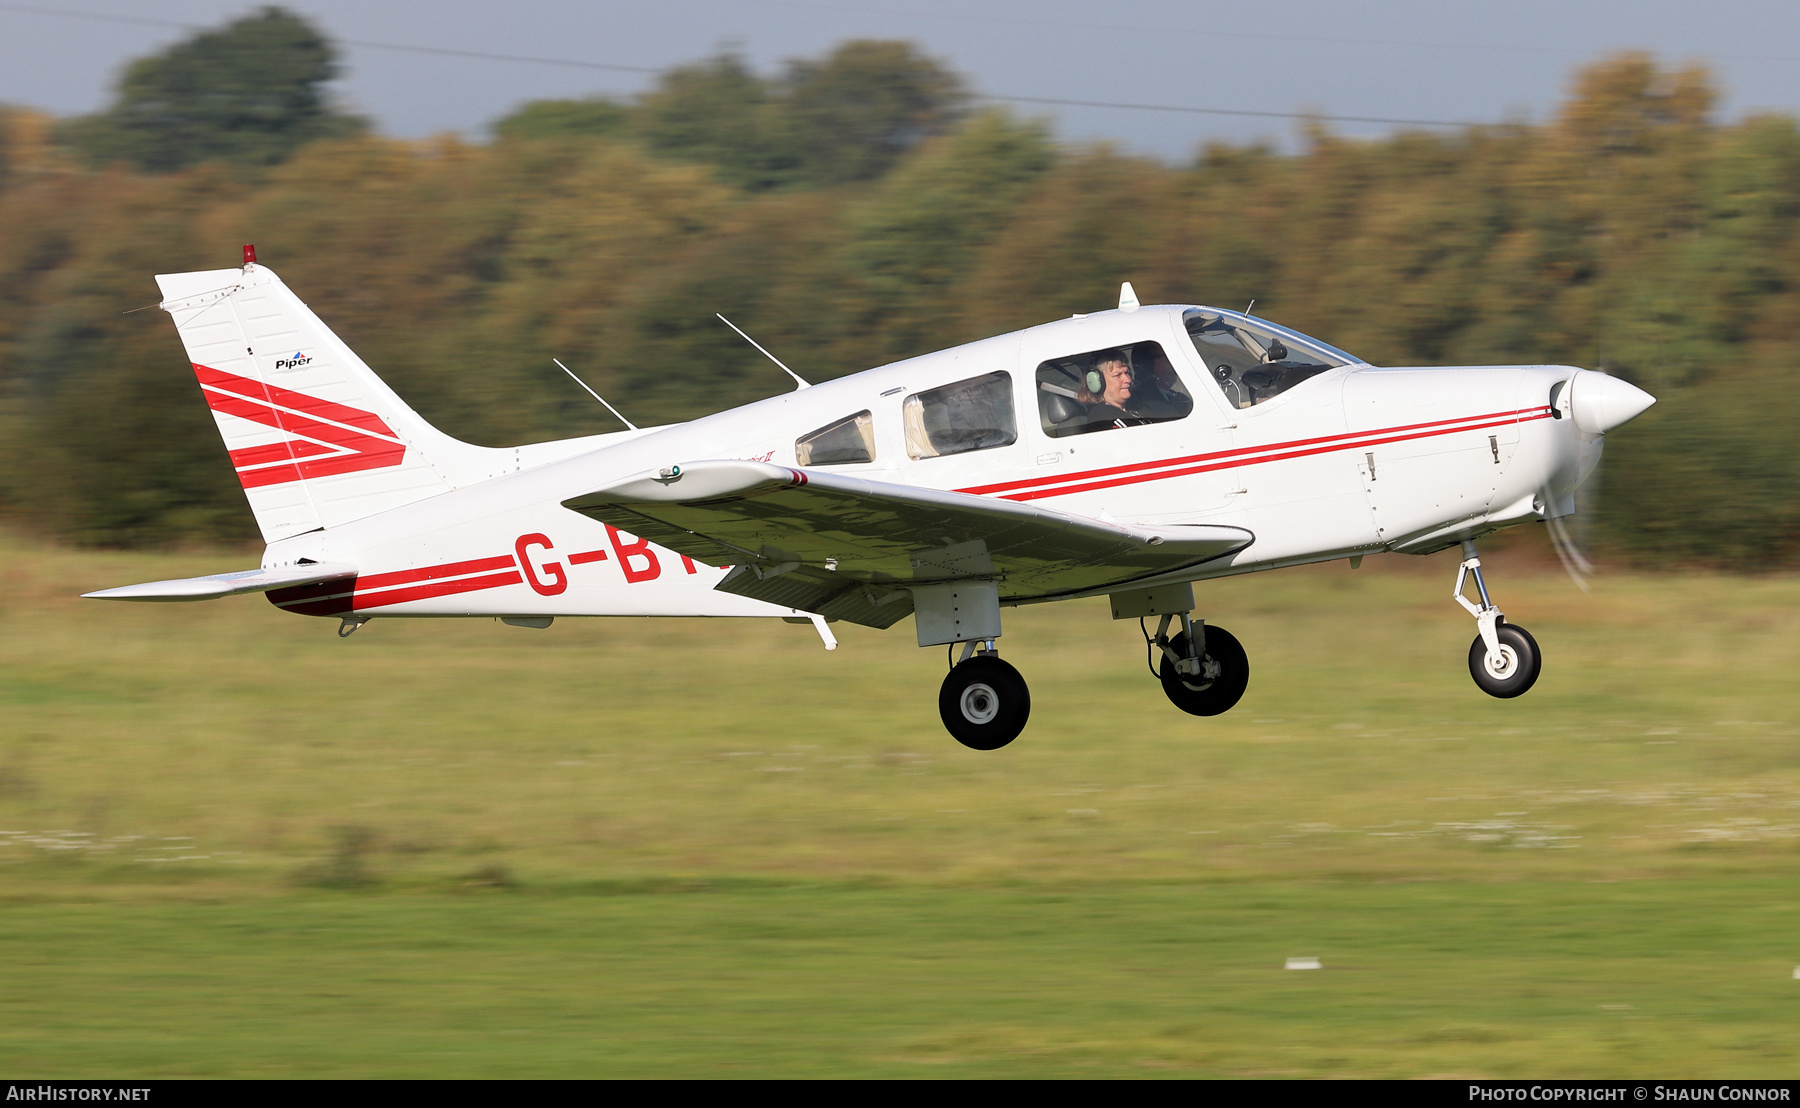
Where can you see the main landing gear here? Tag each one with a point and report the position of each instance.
(1504, 658)
(1203, 670)
(984, 702)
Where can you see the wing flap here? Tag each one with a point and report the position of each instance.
(678, 539)
(850, 541)
(830, 594)
(226, 584)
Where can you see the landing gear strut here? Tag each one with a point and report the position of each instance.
(1504, 658)
(984, 702)
(1203, 670)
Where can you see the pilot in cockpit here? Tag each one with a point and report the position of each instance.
(1107, 392)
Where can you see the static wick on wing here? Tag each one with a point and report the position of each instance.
(593, 394)
(799, 382)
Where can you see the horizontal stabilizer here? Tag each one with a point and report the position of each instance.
(226, 584)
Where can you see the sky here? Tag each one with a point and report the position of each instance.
(1414, 60)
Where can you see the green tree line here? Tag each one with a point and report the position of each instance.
(852, 210)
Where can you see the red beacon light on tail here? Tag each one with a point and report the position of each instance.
(249, 253)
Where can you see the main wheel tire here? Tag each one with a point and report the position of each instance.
(1517, 668)
(984, 703)
(1201, 694)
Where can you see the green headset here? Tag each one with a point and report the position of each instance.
(1095, 380)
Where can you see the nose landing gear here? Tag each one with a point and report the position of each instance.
(1504, 659)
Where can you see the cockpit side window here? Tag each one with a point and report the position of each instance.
(845, 442)
(976, 414)
(1100, 390)
(1251, 362)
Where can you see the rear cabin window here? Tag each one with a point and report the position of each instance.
(976, 414)
(1104, 390)
(846, 442)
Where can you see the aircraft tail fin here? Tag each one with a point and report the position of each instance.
(316, 437)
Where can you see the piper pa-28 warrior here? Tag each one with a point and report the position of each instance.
(1128, 454)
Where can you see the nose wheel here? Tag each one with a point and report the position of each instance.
(1511, 670)
(1504, 659)
(984, 702)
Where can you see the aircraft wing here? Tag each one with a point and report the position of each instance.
(226, 584)
(847, 547)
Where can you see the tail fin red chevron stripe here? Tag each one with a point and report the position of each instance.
(329, 438)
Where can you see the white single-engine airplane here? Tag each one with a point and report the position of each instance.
(1126, 454)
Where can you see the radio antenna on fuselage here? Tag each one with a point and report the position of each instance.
(593, 394)
(799, 382)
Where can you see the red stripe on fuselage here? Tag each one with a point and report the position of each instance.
(379, 590)
(352, 594)
(426, 591)
(1064, 484)
(427, 573)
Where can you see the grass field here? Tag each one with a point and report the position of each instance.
(233, 845)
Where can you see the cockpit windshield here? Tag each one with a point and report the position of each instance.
(1253, 360)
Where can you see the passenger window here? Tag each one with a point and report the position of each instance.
(1253, 361)
(1101, 390)
(849, 440)
(976, 414)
